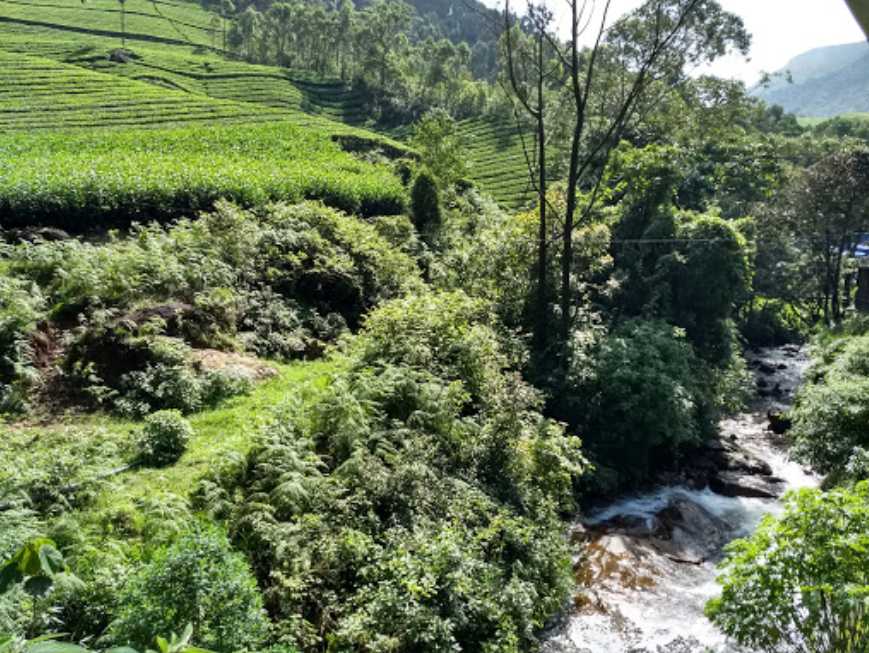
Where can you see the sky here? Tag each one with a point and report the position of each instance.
(782, 29)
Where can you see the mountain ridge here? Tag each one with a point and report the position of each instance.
(822, 82)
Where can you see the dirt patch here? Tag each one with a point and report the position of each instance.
(232, 363)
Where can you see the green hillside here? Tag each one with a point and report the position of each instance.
(824, 82)
(57, 72)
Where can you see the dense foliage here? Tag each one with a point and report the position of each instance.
(800, 583)
(280, 282)
(425, 485)
(638, 397)
(320, 392)
(830, 416)
(198, 580)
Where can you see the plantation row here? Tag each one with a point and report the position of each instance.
(496, 160)
(171, 84)
(38, 93)
(86, 179)
(180, 22)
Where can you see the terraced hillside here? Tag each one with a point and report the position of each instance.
(176, 76)
(496, 160)
(42, 94)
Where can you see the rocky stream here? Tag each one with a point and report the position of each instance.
(646, 564)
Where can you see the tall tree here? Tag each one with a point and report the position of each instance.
(529, 73)
(828, 207)
(655, 44)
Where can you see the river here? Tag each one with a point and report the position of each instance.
(646, 564)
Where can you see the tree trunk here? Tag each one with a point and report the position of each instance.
(828, 277)
(542, 250)
(572, 181)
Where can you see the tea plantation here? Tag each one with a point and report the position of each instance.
(56, 72)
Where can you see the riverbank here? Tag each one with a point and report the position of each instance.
(648, 562)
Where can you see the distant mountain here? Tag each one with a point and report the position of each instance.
(825, 82)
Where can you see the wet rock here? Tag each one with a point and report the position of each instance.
(734, 484)
(766, 368)
(782, 366)
(631, 525)
(762, 383)
(579, 533)
(779, 422)
(689, 533)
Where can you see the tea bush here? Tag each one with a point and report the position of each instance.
(90, 180)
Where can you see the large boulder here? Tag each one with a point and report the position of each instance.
(735, 484)
(689, 532)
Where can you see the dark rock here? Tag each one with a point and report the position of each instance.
(766, 368)
(782, 366)
(779, 422)
(761, 383)
(172, 314)
(734, 484)
(689, 533)
(36, 234)
(122, 55)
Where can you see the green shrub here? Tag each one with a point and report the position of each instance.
(799, 583)
(281, 275)
(422, 483)
(198, 580)
(639, 399)
(831, 414)
(21, 306)
(771, 323)
(164, 438)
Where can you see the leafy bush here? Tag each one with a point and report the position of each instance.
(831, 413)
(198, 580)
(800, 582)
(421, 484)
(638, 398)
(425, 206)
(771, 323)
(21, 305)
(164, 438)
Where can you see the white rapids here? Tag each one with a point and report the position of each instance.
(632, 596)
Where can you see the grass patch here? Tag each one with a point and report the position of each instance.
(80, 448)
